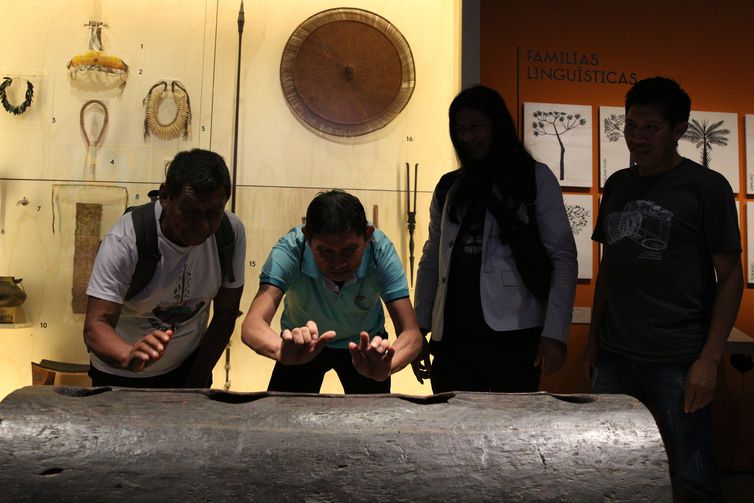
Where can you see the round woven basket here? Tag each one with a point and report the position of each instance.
(347, 72)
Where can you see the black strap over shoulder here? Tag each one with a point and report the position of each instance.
(225, 239)
(145, 228)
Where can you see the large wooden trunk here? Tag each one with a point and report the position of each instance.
(103, 444)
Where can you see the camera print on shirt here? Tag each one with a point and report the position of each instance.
(644, 222)
(182, 308)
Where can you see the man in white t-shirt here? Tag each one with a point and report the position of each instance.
(159, 337)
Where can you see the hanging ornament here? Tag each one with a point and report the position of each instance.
(180, 124)
(95, 68)
(93, 140)
(16, 109)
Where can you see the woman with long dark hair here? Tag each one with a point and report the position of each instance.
(497, 276)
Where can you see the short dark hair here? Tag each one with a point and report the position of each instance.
(202, 170)
(335, 212)
(664, 94)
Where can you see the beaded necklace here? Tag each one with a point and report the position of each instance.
(181, 122)
(13, 109)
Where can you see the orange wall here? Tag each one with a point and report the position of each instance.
(706, 46)
(711, 54)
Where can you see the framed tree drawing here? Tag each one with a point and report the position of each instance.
(749, 130)
(712, 140)
(561, 137)
(580, 215)
(614, 154)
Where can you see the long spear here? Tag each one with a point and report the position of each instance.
(241, 21)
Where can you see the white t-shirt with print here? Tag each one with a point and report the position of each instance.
(180, 292)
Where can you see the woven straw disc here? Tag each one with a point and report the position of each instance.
(347, 72)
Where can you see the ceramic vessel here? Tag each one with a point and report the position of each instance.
(11, 294)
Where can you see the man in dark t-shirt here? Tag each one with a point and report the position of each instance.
(669, 284)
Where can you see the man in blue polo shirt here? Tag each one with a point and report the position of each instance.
(333, 272)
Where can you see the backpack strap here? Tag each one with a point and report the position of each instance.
(145, 228)
(225, 239)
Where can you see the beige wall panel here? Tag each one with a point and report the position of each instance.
(282, 164)
(268, 213)
(275, 149)
(169, 39)
(30, 250)
(16, 349)
(158, 40)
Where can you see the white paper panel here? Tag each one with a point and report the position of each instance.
(712, 141)
(614, 154)
(750, 242)
(580, 215)
(561, 137)
(749, 129)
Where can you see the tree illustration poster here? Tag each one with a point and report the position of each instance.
(561, 137)
(712, 140)
(579, 210)
(614, 153)
(749, 154)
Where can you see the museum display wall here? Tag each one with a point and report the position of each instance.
(580, 58)
(66, 154)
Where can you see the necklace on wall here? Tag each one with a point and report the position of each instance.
(181, 122)
(16, 109)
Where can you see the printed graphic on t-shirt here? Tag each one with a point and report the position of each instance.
(183, 308)
(470, 240)
(644, 222)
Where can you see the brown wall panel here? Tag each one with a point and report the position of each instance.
(706, 46)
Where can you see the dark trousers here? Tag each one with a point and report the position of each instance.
(688, 437)
(176, 378)
(485, 360)
(307, 378)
